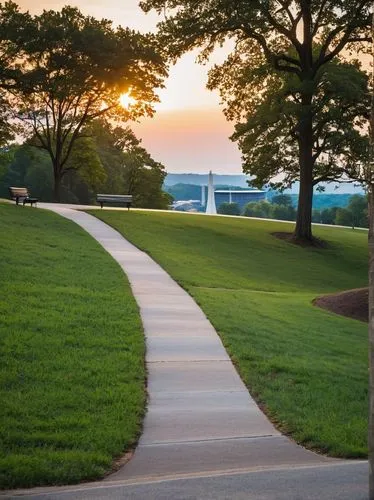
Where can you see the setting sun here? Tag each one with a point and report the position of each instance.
(127, 100)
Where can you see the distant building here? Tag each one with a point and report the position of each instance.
(203, 202)
(239, 197)
(186, 206)
(211, 202)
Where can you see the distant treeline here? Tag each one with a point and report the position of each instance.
(182, 191)
(355, 214)
(321, 200)
(108, 160)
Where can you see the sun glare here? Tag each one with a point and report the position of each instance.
(126, 100)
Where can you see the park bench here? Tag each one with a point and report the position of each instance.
(21, 194)
(114, 198)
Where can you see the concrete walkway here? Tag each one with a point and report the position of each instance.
(200, 416)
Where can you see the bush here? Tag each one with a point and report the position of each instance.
(261, 209)
(283, 212)
(358, 206)
(328, 215)
(229, 209)
(316, 215)
(343, 217)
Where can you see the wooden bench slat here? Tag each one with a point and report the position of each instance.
(114, 198)
(21, 194)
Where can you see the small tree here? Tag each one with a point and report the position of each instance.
(109, 148)
(261, 209)
(130, 168)
(328, 215)
(72, 69)
(343, 217)
(229, 209)
(358, 207)
(283, 212)
(144, 177)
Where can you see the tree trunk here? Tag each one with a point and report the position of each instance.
(303, 230)
(57, 185)
(371, 343)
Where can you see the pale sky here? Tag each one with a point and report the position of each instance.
(189, 132)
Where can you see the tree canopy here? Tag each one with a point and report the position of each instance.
(227, 208)
(282, 199)
(129, 166)
(110, 159)
(71, 69)
(268, 136)
(275, 25)
(296, 37)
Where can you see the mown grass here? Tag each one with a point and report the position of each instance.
(72, 353)
(307, 367)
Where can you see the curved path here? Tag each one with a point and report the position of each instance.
(200, 416)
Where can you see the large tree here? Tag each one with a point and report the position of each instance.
(267, 105)
(287, 32)
(71, 69)
(14, 27)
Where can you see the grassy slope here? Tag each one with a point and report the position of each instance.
(71, 353)
(306, 366)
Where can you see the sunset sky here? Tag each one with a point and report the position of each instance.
(189, 132)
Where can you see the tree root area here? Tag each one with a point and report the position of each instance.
(352, 303)
(290, 237)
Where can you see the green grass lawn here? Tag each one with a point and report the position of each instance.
(72, 353)
(307, 367)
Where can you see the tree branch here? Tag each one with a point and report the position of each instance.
(272, 58)
(317, 25)
(289, 34)
(349, 29)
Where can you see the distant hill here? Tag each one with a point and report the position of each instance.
(202, 179)
(326, 200)
(186, 192)
(331, 188)
(193, 191)
(240, 180)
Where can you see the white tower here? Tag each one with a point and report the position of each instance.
(211, 204)
(203, 196)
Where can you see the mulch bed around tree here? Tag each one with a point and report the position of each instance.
(352, 303)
